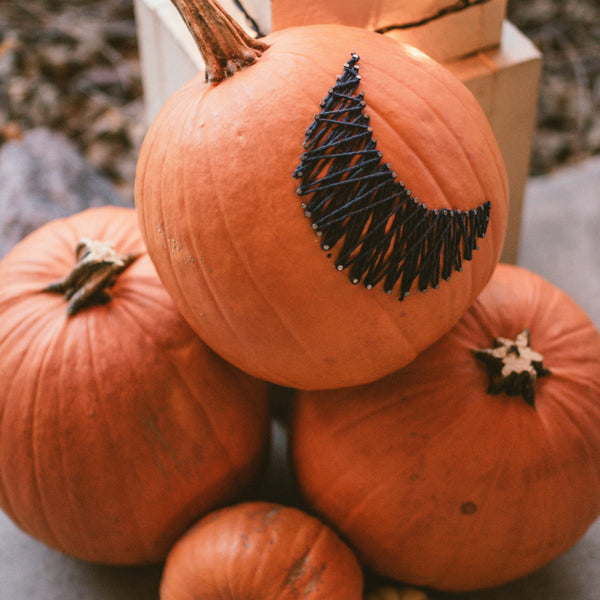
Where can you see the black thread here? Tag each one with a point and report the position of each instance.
(384, 234)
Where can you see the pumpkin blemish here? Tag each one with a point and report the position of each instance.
(296, 571)
(468, 508)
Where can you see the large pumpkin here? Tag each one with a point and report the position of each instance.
(437, 481)
(261, 550)
(119, 427)
(256, 188)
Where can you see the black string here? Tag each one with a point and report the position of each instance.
(385, 235)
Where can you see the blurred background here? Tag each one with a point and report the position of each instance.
(73, 67)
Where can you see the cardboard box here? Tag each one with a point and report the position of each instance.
(504, 79)
(443, 29)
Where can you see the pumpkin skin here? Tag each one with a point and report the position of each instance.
(434, 481)
(224, 226)
(261, 550)
(118, 426)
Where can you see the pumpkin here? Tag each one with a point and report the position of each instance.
(119, 427)
(381, 15)
(261, 550)
(460, 473)
(270, 204)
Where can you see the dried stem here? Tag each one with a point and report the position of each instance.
(513, 367)
(225, 47)
(96, 271)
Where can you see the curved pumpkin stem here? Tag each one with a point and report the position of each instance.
(98, 266)
(225, 47)
(513, 367)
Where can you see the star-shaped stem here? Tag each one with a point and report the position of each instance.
(96, 271)
(513, 367)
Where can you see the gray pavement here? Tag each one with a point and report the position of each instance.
(560, 234)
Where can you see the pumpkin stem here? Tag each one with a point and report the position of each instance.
(513, 367)
(96, 271)
(225, 47)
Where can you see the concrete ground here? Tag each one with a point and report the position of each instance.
(560, 240)
(560, 234)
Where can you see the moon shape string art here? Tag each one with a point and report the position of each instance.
(355, 201)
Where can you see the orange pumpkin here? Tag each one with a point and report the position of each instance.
(375, 16)
(261, 550)
(251, 205)
(119, 427)
(437, 482)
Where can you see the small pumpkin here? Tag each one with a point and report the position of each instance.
(118, 426)
(477, 463)
(261, 550)
(319, 176)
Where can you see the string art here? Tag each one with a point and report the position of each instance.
(355, 202)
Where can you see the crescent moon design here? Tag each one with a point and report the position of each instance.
(382, 234)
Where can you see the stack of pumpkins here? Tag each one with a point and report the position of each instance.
(324, 211)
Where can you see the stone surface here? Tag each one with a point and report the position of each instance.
(73, 66)
(43, 177)
(31, 571)
(560, 232)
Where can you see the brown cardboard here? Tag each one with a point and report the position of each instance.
(505, 81)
